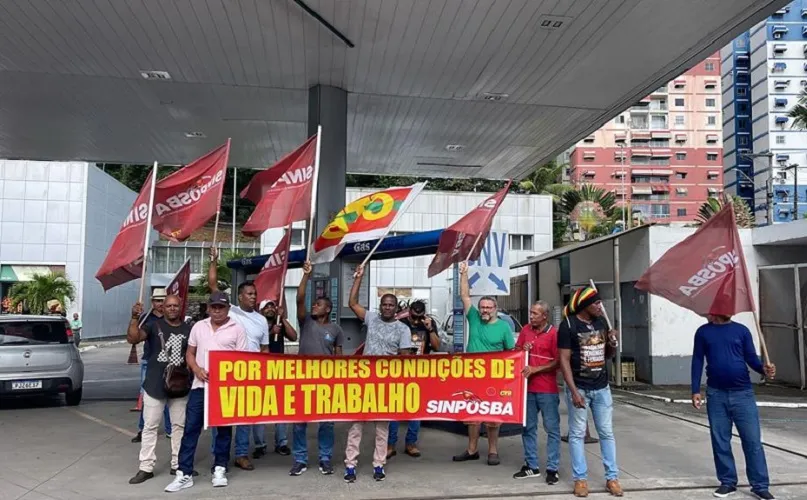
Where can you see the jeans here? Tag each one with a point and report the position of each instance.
(258, 432)
(548, 406)
(166, 414)
(739, 408)
(325, 438)
(194, 421)
(412, 431)
(602, 409)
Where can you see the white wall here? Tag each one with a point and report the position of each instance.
(41, 216)
(107, 204)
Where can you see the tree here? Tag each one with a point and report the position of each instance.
(799, 112)
(42, 288)
(223, 275)
(742, 213)
(588, 207)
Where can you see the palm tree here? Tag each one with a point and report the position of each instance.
(588, 206)
(222, 271)
(742, 213)
(42, 288)
(799, 112)
(546, 180)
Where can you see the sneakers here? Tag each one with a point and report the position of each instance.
(141, 477)
(765, 495)
(283, 450)
(298, 468)
(614, 487)
(325, 467)
(581, 488)
(723, 491)
(552, 477)
(378, 474)
(350, 475)
(259, 452)
(180, 482)
(219, 477)
(526, 472)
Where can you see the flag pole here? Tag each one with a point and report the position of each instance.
(281, 298)
(218, 212)
(235, 203)
(314, 189)
(147, 239)
(602, 308)
(473, 247)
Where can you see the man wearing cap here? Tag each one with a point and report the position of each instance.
(585, 342)
(144, 322)
(279, 330)
(218, 332)
(257, 330)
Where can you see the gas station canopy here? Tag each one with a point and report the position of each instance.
(484, 88)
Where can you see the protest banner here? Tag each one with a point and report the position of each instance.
(260, 388)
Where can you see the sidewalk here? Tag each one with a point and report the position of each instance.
(768, 395)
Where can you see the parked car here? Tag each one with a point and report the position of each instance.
(38, 356)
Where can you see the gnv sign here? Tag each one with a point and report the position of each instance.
(490, 275)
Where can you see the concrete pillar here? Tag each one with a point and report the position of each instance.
(327, 106)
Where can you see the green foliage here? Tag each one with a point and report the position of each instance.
(42, 288)
(799, 112)
(742, 212)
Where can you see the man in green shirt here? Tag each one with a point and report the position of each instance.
(75, 326)
(486, 333)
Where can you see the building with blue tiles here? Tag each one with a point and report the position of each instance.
(764, 73)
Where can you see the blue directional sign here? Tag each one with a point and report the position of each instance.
(490, 275)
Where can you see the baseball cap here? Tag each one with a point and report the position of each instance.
(158, 293)
(218, 298)
(265, 303)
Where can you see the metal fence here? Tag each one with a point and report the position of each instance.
(782, 298)
(517, 302)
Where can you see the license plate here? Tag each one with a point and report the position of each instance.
(23, 385)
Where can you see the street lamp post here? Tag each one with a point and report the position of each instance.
(768, 181)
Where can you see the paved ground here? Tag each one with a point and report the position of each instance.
(50, 451)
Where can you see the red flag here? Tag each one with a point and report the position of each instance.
(282, 193)
(180, 286)
(185, 200)
(269, 282)
(706, 272)
(458, 238)
(124, 262)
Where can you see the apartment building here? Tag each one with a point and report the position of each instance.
(663, 156)
(764, 73)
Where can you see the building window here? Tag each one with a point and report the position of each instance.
(679, 101)
(742, 123)
(711, 156)
(679, 120)
(589, 139)
(780, 139)
(197, 258)
(711, 177)
(620, 120)
(742, 91)
(681, 176)
(710, 103)
(743, 107)
(159, 256)
(521, 242)
(681, 192)
(711, 121)
(680, 156)
(742, 140)
(710, 66)
(682, 212)
(297, 237)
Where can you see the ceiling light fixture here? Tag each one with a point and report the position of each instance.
(490, 96)
(455, 147)
(194, 135)
(155, 75)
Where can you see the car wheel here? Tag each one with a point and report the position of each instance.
(73, 398)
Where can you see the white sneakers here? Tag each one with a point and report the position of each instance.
(182, 481)
(219, 477)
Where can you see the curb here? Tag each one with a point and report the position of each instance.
(87, 348)
(760, 404)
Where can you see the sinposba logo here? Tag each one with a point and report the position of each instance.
(717, 264)
(470, 407)
(177, 201)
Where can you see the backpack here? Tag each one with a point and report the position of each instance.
(176, 378)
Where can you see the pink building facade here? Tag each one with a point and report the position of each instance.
(663, 156)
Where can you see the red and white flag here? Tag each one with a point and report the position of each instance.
(282, 193)
(269, 282)
(185, 200)
(457, 239)
(706, 272)
(124, 262)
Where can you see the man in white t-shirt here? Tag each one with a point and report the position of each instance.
(257, 330)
